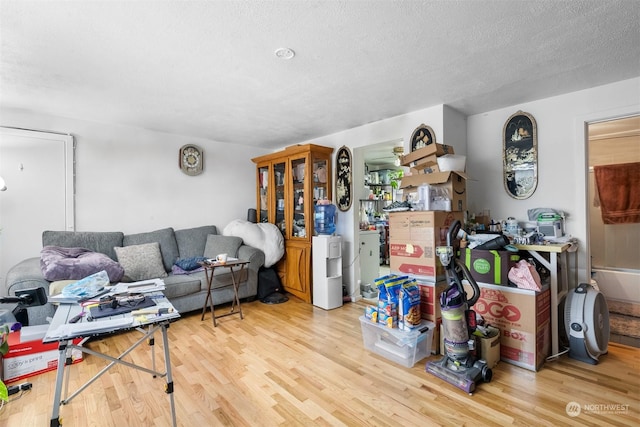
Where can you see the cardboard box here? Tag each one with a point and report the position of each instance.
(523, 318)
(416, 156)
(424, 169)
(426, 162)
(453, 184)
(489, 347)
(28, 358)
(430, 299)
(490, 267)
(413, 237)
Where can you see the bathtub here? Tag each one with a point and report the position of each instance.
(617, 284)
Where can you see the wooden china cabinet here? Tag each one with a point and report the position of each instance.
(289, 183)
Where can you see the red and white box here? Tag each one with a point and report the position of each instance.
(523, 317)
(28, 358)
(413, 238)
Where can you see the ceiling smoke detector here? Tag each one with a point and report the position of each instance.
(284, 53)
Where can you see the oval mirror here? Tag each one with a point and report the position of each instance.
(520, 155)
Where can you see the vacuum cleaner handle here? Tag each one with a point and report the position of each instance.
(467, 275)
(452, 234)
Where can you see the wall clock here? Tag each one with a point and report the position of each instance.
(191, 159)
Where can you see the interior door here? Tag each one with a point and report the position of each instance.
(38, 170)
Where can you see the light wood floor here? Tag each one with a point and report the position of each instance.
(297, 365)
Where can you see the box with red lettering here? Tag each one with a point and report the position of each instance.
(524, 319)
(28, 358)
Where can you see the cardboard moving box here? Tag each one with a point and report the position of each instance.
(523, 318)
(413, 237)
(430, 307)
(453, 184)
(415, 157)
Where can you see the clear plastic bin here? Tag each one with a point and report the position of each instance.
(402, 347)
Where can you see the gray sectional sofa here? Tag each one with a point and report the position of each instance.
(187, 292)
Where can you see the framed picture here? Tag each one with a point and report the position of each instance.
(344, 179)
(520, 155)
(422, 136)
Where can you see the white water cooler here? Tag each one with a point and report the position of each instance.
(327, 271)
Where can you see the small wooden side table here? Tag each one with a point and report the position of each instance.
(236, 267)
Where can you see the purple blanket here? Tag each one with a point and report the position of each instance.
(58, 263)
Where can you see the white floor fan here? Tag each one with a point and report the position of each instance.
(586, 317)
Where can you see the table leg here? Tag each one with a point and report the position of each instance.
(235, 291)
(152, 341)
(554, 303)
(209, 297)
(169, 384)
(55, 414)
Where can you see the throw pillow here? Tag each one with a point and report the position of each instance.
(58, 263)
(188, 264)
(218, 244)
(141, 262)
(166, 239)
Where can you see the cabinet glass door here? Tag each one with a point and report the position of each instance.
(278, 180)
(320, 179)
(263, 190)
(297, 205)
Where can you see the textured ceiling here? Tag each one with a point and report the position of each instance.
(207, 68)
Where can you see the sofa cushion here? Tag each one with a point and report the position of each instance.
(165, 237)
(96, 241)
(217, 244)
(191, 241)
(141, 262)
(59, 263)
(180, 285)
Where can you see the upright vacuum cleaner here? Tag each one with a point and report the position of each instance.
(459, 366)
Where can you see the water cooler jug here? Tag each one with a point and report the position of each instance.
(325, 215)
(327, 271)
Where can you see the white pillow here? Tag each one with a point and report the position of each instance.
(264, 236)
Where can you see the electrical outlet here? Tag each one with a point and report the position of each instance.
(13, 389)
(26, 386)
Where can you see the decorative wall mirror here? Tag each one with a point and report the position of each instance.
(421, 137)
(344, 176)
(520, 155)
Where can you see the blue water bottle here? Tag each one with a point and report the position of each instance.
(325, 217)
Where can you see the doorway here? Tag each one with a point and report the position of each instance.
(38, 170)
(615, 260)
(371, 195)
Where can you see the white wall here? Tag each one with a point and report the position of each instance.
(128, 178)
(562, 159)
(400, 127)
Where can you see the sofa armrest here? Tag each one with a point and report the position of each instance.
(256, 260)
(254, 255)
(27, 274)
